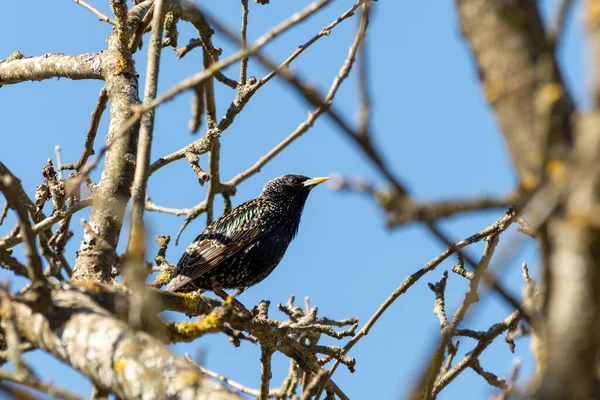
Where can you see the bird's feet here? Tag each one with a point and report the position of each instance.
(223, 294)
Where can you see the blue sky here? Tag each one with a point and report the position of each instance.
(429, 118)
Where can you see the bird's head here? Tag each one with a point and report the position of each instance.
(291, 187)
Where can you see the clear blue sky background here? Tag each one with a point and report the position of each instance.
(429, 118)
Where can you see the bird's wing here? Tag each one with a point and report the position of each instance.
(222, 239)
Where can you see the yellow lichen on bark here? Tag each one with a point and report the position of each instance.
(163, 278)
(593, 14)
(88, 284)
(120, 366)
(556, 170)
(550, 93)
(493, 89)
(188, 331)
(191, 300)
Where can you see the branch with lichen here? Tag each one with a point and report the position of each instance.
(89, 333)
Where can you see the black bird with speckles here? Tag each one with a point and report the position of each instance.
(244, 246)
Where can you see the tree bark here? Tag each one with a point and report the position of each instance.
(130, 364)
(521, 80)
(114, 190)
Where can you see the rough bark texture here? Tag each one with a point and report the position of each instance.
(133, 365)
(521, 80)
(573, 311)
(18, 68)
(113, 334)
(515, 57)
(113, 192)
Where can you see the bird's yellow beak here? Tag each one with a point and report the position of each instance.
(315, 181)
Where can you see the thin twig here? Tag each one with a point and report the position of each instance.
(363, 78)
(98, 14)
(495, 331)
(243, 28)
(231, 383)
(135, 273)
(251, 88)
(197, 110)
(151, 206)
(194, 80)
(194, 161)
(11, 263)
(190, 216)
(314, 115)
(561, 19)
(47, 223)
(58, 162)
(489, 377)
(88, 148)
(447, 331)
(34, 263)
(147, 126)
(11, 334)
(34, 383)
(498, 227)
(4, 212)
(266, 353)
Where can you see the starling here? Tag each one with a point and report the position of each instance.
(244, 246)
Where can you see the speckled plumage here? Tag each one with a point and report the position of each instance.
(244, 246)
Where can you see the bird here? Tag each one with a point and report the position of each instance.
(243, 247)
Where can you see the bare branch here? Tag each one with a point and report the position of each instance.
(492, 333)
(88, 148)
(58, 162)
(54, 65)
(120, 356)
(4, 212)
(244, 60)
(47, 223)
(134, 270)
(428, 378)
(266, 353)
(97, 13)
(561, 19)
(34, 263)
(439, 307)
(113, 191)
(195, 80)
(32, 382)
(363, 78)
(138, 196)
(233, 384)
(498, 227)
(10, 263)
(200, 146)
(489, 377)
(314, 115)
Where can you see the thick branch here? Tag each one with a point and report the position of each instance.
(114, 190)
(521, 80)
(129, 364)
(55, 65)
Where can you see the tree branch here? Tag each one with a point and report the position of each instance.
(83, 334)
(114, 190)
(54, 65)
(95, 11)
